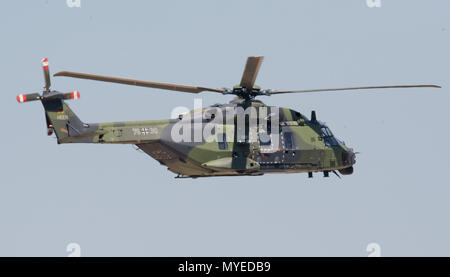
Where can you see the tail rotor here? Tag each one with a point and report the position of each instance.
(48, 95)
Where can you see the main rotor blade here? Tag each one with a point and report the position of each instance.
(251, 71)
(166, 86)
(46, 74)
(353, 88)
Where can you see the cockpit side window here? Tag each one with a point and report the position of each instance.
(328, 137)
(326, 132)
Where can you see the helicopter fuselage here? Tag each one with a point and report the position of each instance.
(294, 144)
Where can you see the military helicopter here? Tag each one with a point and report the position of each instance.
(288, 142)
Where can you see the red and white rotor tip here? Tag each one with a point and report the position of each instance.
(75, 95)
(49, 129)
(45, 63)
(21, 98)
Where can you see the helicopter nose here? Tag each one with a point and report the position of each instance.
(348, 157)
(348, 160)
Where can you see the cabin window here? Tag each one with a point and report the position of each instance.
(264, 135)
(222, 140)
(288, 140)
(264, 139)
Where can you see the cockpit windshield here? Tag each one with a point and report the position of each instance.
(328, 137)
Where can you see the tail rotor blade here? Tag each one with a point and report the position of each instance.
(46, 74)
(22, 98)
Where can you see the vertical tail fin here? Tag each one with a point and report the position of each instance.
(62, 119)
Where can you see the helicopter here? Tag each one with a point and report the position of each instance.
(244, 137)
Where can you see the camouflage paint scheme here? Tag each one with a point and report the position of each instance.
(309, 149)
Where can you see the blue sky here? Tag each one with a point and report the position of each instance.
(113, 200)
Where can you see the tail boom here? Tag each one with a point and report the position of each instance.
(70, 129)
